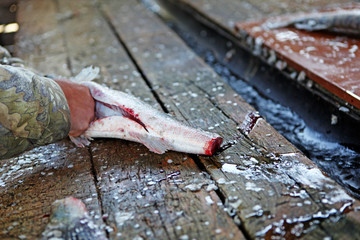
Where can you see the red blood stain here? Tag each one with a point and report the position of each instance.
(212, 146)
(249, 122)
(126, 112)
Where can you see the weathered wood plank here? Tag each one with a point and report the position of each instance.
(31, 182)
(39, 41)
(225, 14)
(158, 196)
(265, 135)
(92, 42)
(143, 194)
(253, 177)
(275, 7)
(155, 181)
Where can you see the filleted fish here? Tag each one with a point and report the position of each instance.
(121, 115)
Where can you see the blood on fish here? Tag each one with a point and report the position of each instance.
(212, 146)
(120, 115)
(126, 112)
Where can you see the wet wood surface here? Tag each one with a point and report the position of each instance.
(143, 194)
(263, 151)
(315, 53)
(321, 66)
(258, 188)
(31, 182)
(232, 11)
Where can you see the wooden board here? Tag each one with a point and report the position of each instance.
(315, 53)
(40, 43)
(31, 182)
(260, 187)
(226, 14)
(158, 196)
(78, 56)
(337, 89)
(278, 7)
(143, 194)
(177, 73)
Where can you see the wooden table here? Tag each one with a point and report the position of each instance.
(333, 79)
(261, 187)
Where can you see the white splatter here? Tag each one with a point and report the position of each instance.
(252, 187)
(209, 201)
(122, 217)
(230, 168)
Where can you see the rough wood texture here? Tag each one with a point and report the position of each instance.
(143, 194)
(31, 182)
(278, 7)
(226, 14)
(40, 42)
(158, 196)
(332, 88)
(262, 183)
(260, 167)
(331, 71)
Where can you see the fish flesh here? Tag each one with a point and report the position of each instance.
(340, 21)
(121, 115)
(70, 220)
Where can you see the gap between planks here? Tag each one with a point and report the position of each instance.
(300, 183)
(93, 156)
(196, 159)
(138, 68)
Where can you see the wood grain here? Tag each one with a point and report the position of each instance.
(31, 182)
(262, 184)
(253, 177)
(144, 195)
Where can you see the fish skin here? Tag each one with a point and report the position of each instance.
(121, 115)
(70, 220)
(341, 21)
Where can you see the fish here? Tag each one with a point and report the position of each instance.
(340, 21)
(70, 220)
(123, 116)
